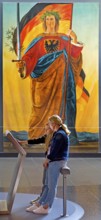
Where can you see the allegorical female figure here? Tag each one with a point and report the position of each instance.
(53, 61)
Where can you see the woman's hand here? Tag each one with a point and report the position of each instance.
(21, 66)
(45, 163)
(72, 35)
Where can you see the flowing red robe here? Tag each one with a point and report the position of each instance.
(47, 63)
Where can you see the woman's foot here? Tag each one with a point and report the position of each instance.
(32, 208)
(42, 211)
(34, 200)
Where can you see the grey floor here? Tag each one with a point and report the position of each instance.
(83, 184)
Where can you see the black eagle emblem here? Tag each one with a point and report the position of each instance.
(51, 45)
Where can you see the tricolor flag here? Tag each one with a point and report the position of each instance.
(81, 91)
(31, 23)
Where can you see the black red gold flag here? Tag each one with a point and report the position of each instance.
(31, 23)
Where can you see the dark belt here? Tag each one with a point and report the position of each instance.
(58, 159)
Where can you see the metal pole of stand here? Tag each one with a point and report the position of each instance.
(65, 171)
(64, 195)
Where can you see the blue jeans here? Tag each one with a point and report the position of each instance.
(52, 175)
(43, 180)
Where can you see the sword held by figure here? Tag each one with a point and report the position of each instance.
(20, 63)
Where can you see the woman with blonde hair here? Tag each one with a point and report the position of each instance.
(57, 157)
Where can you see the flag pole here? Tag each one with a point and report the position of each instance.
(18, 41)
(18, 32)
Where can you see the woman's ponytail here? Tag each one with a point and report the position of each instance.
(65, 128)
